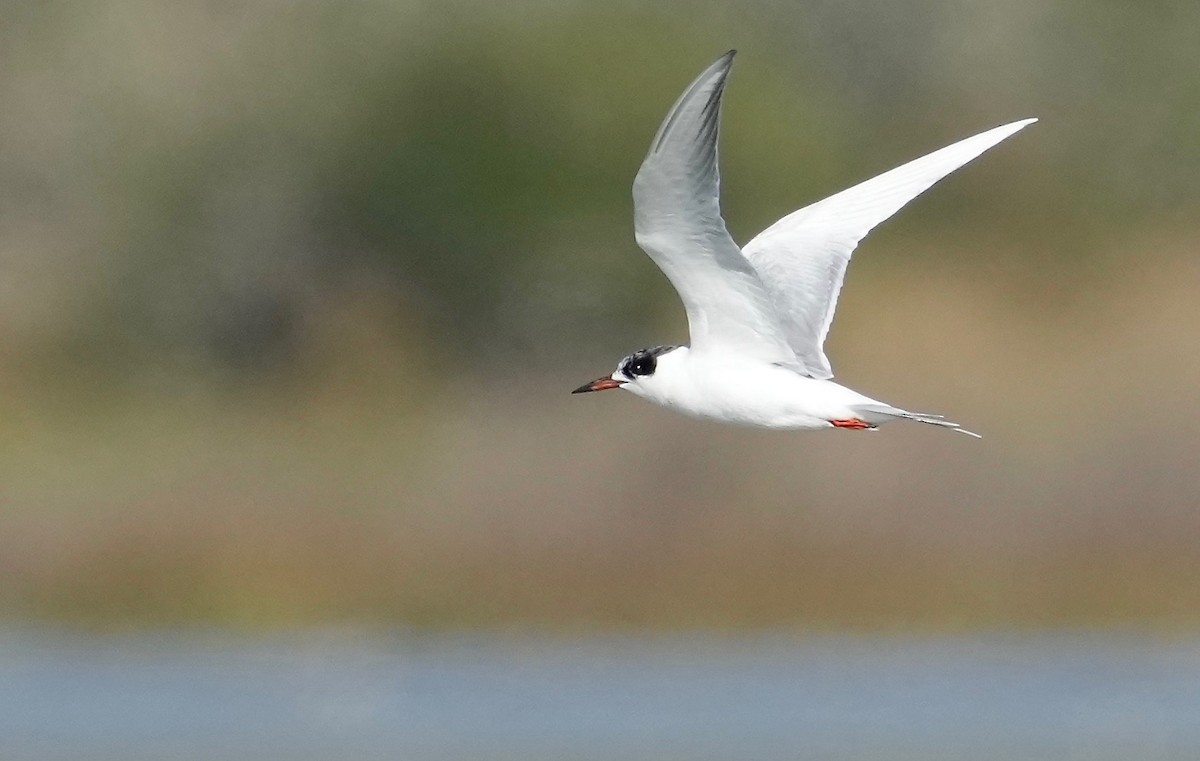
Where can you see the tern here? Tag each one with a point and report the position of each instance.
(758, 315)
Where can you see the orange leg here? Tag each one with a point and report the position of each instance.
(853, 424)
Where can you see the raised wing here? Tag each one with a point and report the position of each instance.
(802, 258)
(677, 220)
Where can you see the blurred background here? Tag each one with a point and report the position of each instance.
(292, 296)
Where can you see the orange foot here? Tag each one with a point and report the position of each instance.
(853, 424)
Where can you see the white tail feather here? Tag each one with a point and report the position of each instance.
(920, 417)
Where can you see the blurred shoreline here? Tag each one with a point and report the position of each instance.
(367, 495)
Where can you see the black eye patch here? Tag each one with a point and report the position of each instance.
(640, 364)
(645, 361)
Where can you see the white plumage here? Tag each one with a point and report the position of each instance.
(758, 316)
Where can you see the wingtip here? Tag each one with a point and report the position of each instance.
(714, 78)
(1006, 130)
(726, 60)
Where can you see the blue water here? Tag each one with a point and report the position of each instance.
(343, 697)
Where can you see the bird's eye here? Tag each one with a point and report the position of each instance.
(642, 364)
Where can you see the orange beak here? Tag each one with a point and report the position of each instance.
(600, 384)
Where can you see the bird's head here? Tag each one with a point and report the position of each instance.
(636, 373)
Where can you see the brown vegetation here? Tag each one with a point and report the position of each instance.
(367, 495)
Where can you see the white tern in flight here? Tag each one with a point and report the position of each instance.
(758, 315)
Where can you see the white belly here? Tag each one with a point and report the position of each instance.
(749, 393)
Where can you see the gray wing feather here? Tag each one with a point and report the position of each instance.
(677, 221)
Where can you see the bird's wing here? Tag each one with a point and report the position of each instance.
(802, 258)
(677, 221)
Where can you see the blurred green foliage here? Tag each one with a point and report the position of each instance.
(211, 170)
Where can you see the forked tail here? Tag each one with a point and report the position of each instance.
(879, 413)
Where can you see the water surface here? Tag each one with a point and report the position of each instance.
(195, 696)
